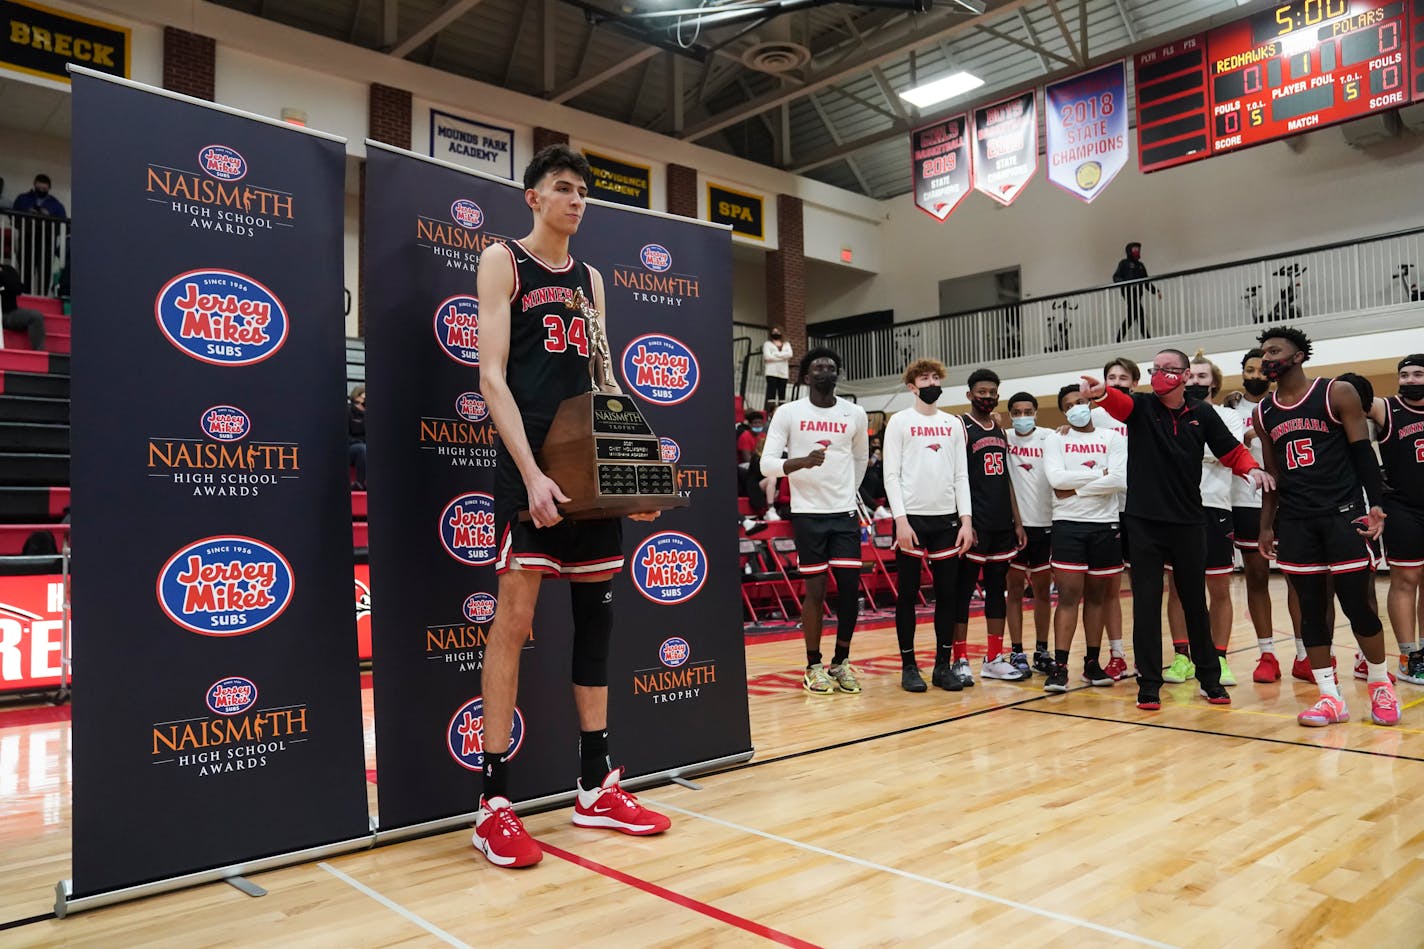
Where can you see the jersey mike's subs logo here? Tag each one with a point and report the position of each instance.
(480, 607)
(660, 368)
(221, 317)
(669, 567)
(465, 735)
(226, 423)
(225, 586)
(222, 163)
(471, 407)
(674, 652)
(655, 257)
(231, 696)
(467, 213)
(457, 329)
(668, 450)
(467, 529)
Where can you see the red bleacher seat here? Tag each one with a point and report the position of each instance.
(13, 536)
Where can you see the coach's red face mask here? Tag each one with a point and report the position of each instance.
(1165, 380)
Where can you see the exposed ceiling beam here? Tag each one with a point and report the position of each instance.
(675, 93)
(886, 90)
(836, 138)
(1033, 38)
(1067, 33)
(1083, 29)
(641, 85)
(390, 22)
(1126, 21)
(921, 31)
(1044, 54)
(432, 27)
(863, 103)
(514, 46)
(549, 48)
(579, 86)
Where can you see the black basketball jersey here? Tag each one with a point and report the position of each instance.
(549, 343)
(1401, 446)
(1314, 473)
(988, 451)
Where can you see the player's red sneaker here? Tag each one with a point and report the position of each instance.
(1268, 669)
(501, 837)
(1362, 669)
(1384, 705)
(1328, 710)
(1300, 669)
(608, 805)
(1117, 668)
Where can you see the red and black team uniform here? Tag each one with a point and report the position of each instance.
(987, 451)
(1320, 499)
(1401, 446)
(548, 363)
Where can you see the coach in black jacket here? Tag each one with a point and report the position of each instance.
(1164, 519)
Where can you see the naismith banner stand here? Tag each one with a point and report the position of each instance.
(217, 710)
(677, 690)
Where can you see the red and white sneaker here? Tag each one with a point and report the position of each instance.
(1328, 710)
(1384, 704)
(1362, 671)
(501, 837)
(1117, 668)
(1268, 669)
(608, 805)
(1300, 669)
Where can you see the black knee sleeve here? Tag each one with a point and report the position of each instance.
(847, 601)
(996, 575)
(964, 585)
(1353, 592)
(593, 628)
(1313, 591)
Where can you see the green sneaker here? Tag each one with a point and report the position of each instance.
(817, 682)
(1226, 677)
(1180, 671)
(844, 677)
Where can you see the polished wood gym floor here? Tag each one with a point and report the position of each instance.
(999, 816)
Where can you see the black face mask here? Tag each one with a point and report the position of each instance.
(929, 395)
(984, 404)
(1256, 387)
(1273, 369)
(1413, 391)
(1125, 390)
(824, 381)
(1197, 393)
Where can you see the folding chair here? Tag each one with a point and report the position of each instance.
(758, 578)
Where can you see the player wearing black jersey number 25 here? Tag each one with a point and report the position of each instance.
(534, 353)
(1315, 441)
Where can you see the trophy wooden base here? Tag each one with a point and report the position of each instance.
(602, 454)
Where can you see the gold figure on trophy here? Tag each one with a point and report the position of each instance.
(600, 363)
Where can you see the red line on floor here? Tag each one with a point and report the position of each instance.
(687, 902)
(38, 715)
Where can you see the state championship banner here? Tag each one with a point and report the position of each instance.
(940, 166)
(677, 670)
(1086, 122)
(217, 708)
(1006, 146)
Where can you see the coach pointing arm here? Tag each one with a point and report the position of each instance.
(1230, 452)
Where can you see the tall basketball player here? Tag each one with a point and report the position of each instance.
(1315, 441)
(534, 354)
(1401, 444)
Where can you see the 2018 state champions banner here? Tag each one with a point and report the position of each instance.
(677, 689)
(217, 709)
(1086, 124)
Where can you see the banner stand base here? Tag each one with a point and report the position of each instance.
(244, 885)
(686, 783)
(65, 902)
(551, 801)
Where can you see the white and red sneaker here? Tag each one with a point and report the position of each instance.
(609, 806)
(501, 837)
(1300, 669)
(1117, 668)
(1362, 669)
(1328, 710)
(1384, 704)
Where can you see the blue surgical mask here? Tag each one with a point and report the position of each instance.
(1079, 415)
(758, 428)
(1024, 424)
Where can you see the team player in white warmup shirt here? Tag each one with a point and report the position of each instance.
(1122, 374)
(1087, 468)
(1031, 564)
(827, 449)
(927, 487)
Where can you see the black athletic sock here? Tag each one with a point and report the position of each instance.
(841, 654)
(594, 763)
(1183, 649)
(944, 653)
(1092, 654)
(1041, 646)
(813, 656)
(1060, 656)
(496, 776)
(1018, 646)
(1221, 653)
(907, 658)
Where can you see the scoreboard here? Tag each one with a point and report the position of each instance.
(1288, 69)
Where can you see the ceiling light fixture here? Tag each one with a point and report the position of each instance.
(941, 90)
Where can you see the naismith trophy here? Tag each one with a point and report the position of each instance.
(600, 450)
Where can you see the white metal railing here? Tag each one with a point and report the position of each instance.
(1333, 280)
(36, 245)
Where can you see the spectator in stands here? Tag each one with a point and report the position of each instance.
(872, 486)
(38, 238)
(775, 360)
(15, 318)
(1131, 270)
(356, 429)
(38, 200)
